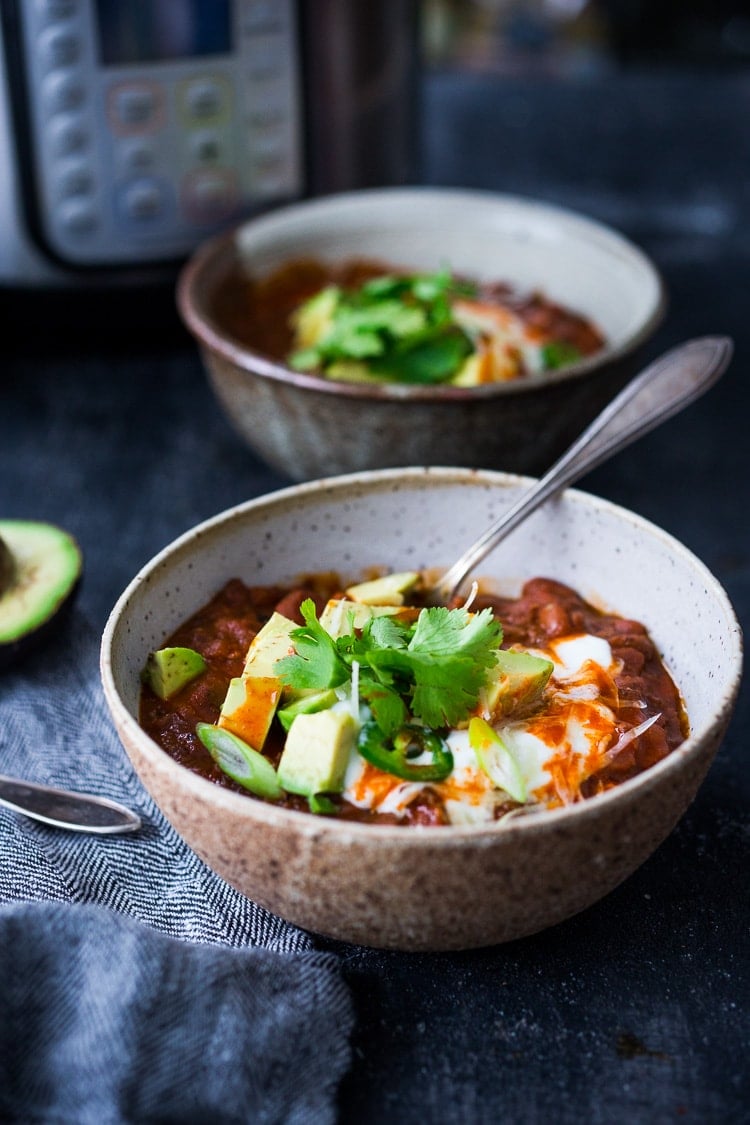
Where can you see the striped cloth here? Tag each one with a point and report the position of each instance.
(136, 985)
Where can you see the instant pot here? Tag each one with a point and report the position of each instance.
(131, 131)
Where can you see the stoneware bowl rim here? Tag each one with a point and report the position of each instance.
(450, 835)
(191, 305)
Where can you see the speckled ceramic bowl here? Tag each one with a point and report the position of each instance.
(451, 887)
(308, 426)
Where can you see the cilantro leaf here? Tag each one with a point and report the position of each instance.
(433, 670)
(558, 353)
(401, 327)
(444, 632)
(317, 662)
(431, 360)
(444, 665)
(388, 708)
(386, 632)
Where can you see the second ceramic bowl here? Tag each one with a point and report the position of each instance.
(307, 426)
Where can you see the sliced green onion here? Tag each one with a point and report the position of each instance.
(322, 805)
(239, 761)
(497, 760)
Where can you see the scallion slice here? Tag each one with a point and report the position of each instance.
(239, 761)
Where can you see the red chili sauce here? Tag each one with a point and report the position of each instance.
(222, 631)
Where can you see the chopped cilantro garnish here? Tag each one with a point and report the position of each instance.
(401, 328)
(432, 670)
(558, 353)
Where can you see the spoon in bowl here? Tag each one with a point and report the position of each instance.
(664, 388)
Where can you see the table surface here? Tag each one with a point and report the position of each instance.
(635, 1010)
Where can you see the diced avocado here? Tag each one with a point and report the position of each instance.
(341, 615)
(316, 753)
(351, 371)
(388, 590)
(471, 372)
(249, 707)
(251, 700)
(520, 679)
(269, 645)
(312, 320)
(306, 705)
(168, 670)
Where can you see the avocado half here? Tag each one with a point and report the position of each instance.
(40, 569)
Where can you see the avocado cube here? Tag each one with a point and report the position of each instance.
(316, 753)
(306, 704)
(388, 590)
(313, 319)
(519, 678)
(269, 645)
(168, 670)
(249, 707)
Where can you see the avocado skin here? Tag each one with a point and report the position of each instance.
(7, 567)
(14, 651)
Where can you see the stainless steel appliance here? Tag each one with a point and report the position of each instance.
(130, 131)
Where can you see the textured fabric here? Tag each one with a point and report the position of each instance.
(105, 1015)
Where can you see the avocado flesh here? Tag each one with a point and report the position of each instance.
(519, 680)
(316, 753)
(307, 705)
(249, 707)
(168, 670)
(388, 590)
(269, 644)
(252, 698)
(40, 570)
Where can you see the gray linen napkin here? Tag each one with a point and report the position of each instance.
(136, 985)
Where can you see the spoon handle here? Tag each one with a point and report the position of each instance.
(78, 812)
(664, 388)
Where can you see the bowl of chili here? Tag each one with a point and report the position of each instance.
(417, 326)
(417, 876)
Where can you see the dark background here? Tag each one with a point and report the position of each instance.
(636, 1010)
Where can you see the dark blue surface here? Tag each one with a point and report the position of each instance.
(635, 1011)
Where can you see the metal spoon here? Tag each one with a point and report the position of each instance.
(666, 386)
(78, 812)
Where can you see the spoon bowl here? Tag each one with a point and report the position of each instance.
(63, 808)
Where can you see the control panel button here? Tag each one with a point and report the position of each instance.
(68, 134)
(63, 92)
(78, 216)
(208, 195)
(136, 155)
(135, 107)
(266, 61)
(59, 48)
(206, 146)
(142, 200)
(74, 178)
(262, 16)
(205, 99)
(50, 11)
